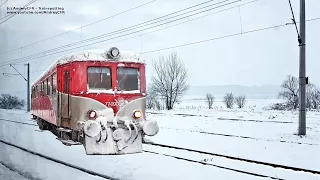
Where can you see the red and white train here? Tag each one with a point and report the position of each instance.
(95, 98)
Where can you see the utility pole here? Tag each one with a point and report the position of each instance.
(302, 71)
(28, 91)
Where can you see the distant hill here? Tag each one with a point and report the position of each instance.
(252, 92)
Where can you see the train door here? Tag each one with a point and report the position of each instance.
(65, 101)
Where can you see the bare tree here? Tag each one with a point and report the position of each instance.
(170, 79)
(151, 98)
(240, 101)
(229, 100)
(8, 101)
(313, 97)
(290, 92)
(210, 100)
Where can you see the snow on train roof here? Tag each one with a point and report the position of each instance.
(94, 55)
(99, 55)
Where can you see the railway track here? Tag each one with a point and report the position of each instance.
(226, 119)
(59, 161)
(196, 131)
(218, 166)
(237, 136)
(273, 165)
(18, 122)
(231, 119)
(203, 162)
(107, 177)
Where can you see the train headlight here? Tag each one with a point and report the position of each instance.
(114, 52)
(137, 114)
(92, 114)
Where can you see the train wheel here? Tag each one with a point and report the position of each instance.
(40, 124)
(75, 136)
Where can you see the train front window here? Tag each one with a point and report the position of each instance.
(128, 79)
(99, 78)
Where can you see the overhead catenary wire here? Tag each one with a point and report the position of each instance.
(114, 15)
(120, 29)
(220, 37)
(150, 22)
(28, 4)
(243, 4)
(10, 74)
(136, 26)
(63, 47)
(3, 3)
(11, 16)
(195, 42)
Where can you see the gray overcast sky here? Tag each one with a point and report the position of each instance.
(259, 58)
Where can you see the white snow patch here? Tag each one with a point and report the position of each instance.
(121, 65)
(129, 92)
(100, 91)
(110, 91)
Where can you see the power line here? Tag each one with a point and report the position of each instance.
(10, 74)
(29, 3)
(132, 28)
(237, 6)
(5, 16)
(172, 25)
(223, 37)
(216, 38)
(3, 3)
(148, 22)
(34, 55)
(134, 25)
(81, 27)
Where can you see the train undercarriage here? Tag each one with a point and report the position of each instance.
(67, 136)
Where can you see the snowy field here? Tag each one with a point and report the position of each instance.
(250, 133)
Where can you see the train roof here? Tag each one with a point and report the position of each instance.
(94, 55)
(99, 55)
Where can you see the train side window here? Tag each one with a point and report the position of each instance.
(42, 88)
(128, 79)
(99, 78)
(35, 91)
(54, 82)
(48, 87)
(39, 90)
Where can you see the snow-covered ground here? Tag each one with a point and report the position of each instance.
(29, 166)
(251, 133)
(7, 174)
